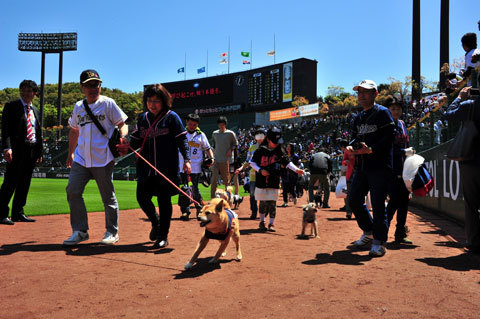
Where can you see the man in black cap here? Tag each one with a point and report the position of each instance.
(90, 157)
(22, 149)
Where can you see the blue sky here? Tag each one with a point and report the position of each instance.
(131, 43)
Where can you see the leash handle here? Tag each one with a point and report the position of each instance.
(165, 177)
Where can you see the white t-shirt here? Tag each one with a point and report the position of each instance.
(468, 62)
(92, 147)
(197, 144)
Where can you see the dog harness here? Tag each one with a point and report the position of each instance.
(231, 216)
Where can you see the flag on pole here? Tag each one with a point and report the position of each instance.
(245, 54)
(201, 70)
(245, 62)
(271, 53)
(224, 61)
(181, 70)
(224, 55)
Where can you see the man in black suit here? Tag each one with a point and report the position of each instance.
(22, 148)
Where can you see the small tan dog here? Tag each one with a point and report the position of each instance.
(225, 194)
(221, 223)
(310, 218)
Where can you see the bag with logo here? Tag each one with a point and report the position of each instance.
(184, 201)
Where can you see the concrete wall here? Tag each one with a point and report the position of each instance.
(447, 195)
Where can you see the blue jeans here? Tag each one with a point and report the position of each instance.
(375, 182)
(253, 201)
(196, 192)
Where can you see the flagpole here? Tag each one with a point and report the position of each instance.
(228, 61)
(251, 54)
(207, 64)
(185, 65)
(274, 51)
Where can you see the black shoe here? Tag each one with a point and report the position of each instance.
(22, 218)
(325, 206)
(283, 205)
(253, 216)
(403, 240)
(185, 216)
(160, 243)
(262, 227)
(153, 233)
(349, 215)
(271, 228)
(343, 209)
(472, 249)
(6, 221)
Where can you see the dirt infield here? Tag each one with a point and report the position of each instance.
(280, 276)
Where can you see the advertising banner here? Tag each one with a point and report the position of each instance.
(293, 112)
(287, 82)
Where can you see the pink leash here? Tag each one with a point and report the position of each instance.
(166, 178)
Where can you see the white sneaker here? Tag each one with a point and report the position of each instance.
(363, 241)
(77, 237)
(378, 250)
(109, 238)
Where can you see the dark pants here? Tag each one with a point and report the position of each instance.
(195, 191)
(17, 180)
(253, 201)
(288, 186)
(375, 181)
(398, 203)
(148, 188)
(323, 187)
(470, 176)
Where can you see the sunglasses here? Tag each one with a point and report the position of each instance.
(92, 85)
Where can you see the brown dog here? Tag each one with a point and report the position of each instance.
(226, 195)
(221, 224)
(310, 218)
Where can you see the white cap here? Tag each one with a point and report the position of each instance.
(366, 84)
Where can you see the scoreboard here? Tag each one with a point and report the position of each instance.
(256, 90)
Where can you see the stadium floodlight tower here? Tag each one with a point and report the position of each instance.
(49, 43)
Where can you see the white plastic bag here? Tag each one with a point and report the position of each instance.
(410, 169)
(341, 190)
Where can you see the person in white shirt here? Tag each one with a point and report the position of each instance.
(90, 157)
(198, 145)
(469, 43)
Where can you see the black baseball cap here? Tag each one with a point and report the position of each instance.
(89, 75)
(275, 135)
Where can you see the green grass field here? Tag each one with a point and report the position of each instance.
(48, 196)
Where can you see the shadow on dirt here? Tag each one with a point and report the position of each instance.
(79, 250)
(340, 219)
(202, 267)
(244, 232)
(341, 257)
(462, 262)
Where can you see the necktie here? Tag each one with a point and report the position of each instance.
(29, 126)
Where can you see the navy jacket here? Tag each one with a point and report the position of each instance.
(375, 127)
(164, 140)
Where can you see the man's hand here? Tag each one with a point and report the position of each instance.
(465, 93)
(364, 150)
(39, 160)
(70, 160)
(264, 172)
(409, 151)
(187, 168)
(123, 146)
(300, 172)
(8, 156)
